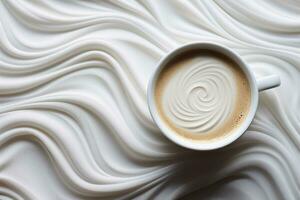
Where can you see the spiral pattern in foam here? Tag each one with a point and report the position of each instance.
(199, 94)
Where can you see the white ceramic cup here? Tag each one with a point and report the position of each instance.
(256, 85)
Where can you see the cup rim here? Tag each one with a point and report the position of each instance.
(189, 143)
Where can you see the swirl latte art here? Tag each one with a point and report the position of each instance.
(202, 95)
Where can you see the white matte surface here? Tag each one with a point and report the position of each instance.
(74, 121)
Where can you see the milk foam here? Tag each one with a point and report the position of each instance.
(200, 95)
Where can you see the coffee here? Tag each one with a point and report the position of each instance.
(202, 95)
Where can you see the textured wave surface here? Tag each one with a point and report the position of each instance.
(74, 122)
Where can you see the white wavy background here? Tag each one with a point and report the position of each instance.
(74, 122)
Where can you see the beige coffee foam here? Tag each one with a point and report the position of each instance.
(237, 116)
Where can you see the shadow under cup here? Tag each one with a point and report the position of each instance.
(210, 142)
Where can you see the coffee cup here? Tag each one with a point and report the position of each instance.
(255, 86)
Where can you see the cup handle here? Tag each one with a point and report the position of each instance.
(268, 82)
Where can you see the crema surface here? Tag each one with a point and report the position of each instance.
(202, 95)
